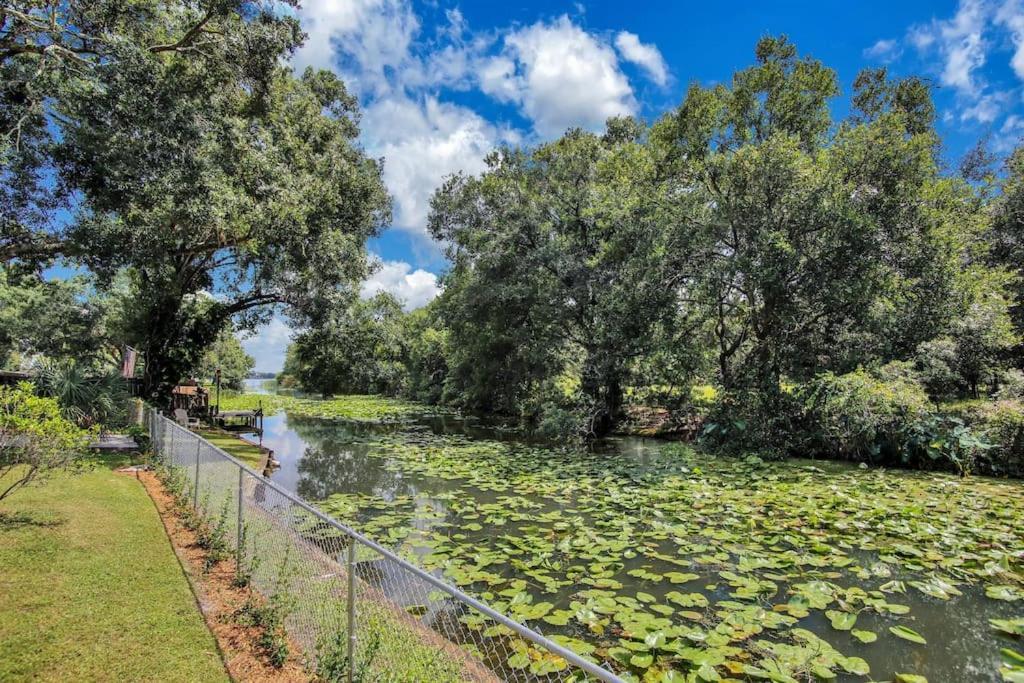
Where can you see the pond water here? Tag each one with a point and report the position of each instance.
(666, 559)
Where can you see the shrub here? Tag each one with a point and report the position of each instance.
(862, 417)
(1001, 423)
(945, 440)
(89, 399)
(936, 364)
(35, 439)
(744, 421)
(1011, 385)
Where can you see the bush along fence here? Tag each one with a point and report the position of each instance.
(358, 611)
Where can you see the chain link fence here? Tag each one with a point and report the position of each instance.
(358, 611)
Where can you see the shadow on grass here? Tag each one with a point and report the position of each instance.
(11, 521)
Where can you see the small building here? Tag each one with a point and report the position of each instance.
(191, 398)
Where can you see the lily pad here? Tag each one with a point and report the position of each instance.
(907, 633)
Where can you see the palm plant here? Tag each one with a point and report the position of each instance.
(86, 397)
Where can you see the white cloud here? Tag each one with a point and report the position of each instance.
(1010, 134)
(987, 108)
(414, 288)
(960, 42)
(561, 77)
(884, 51)
(647, 57)
(1011, 15)
(363, 39)
(422, 142)
(267, 345)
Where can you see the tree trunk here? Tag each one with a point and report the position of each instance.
(604, 389)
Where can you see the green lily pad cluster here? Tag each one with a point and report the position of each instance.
(693, 568)
(356, 407)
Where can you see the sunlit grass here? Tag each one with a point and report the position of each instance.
(92, 589)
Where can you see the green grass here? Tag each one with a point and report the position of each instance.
(238, 448)
(92, 589)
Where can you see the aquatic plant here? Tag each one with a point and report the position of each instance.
(694, 565)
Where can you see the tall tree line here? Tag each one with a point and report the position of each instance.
(746, 240)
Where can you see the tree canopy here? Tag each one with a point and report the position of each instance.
(225, 184)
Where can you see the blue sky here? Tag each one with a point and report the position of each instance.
(441, 83)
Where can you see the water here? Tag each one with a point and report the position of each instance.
(320, 458)
(259, 386)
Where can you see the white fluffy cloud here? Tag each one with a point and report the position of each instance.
(363, 39)
(1011, 15)
(560, 76)
(986, 108)
(414, 288)
(960, 42)
(422, 141)
(1010, 134)
(646, 56)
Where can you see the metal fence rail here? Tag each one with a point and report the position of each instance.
(359, 611)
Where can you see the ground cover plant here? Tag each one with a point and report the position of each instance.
(92, 589)
(697, 566)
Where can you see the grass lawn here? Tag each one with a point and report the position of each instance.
(234, 446)
(92, 589)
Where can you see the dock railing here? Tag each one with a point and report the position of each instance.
(358, 610)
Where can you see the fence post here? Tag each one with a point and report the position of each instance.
(351, 609)
(238, 527)
(195, 498)
(171, 452)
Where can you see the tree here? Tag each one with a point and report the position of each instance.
(809, 231)
(560, 266)
(204, 165)
(426, 353)
(357, 349)
(61, 319)
(226, 355)
(1006, 240)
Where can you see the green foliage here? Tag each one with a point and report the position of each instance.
(333, 660)
(862, 417)
(189, 167)
(36, 441)
(269, 615)
(227, 355)
(426, 354)
(212, 537)
(85, 397)
(1001, 423)
(936, 362)
(355, 349)
(571, 274)
(54, 319)
(250, 559)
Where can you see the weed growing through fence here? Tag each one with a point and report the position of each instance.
(247, 563)
(333, 660)
(269, 616)
(213, 538)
